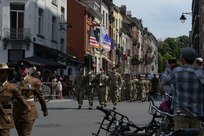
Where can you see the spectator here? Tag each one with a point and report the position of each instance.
(188, 93)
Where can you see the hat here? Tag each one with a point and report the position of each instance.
(171, 61)
(199, 59)
(189, 54)
(23, 64)
(4, 66)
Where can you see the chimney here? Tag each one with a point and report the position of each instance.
(129, 14)
(123, 9)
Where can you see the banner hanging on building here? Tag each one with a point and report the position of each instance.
(105, 41)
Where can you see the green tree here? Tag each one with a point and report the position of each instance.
(170, 48)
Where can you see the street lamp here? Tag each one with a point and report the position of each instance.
(183, 18)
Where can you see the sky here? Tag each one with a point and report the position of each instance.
(161, 17)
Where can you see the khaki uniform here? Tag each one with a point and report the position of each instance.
(129, 89)
(24, 120)
(7, 93)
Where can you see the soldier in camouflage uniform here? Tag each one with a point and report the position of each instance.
(114, 81)
(123, 89)
(8, 92)
(141, 89)
(147, 86)
(101, 82)
(90, 87)
(135, 89)
(129, 88)
(79, 87)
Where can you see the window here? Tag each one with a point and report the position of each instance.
(103, 17)
(16, 21)
(54, 2)
(15, 55)
(54, 28)
(62, 45)
(62, 14)
(106, 20)
(40, 21)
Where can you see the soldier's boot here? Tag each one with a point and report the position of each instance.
(90, 107)
(79, 107)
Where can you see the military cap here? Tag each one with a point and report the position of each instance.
(189, 54)
(23, 64)
(4, 66)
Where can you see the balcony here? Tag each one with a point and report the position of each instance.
(10, 34)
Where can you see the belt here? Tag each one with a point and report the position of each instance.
(7, 106)
(30, 99)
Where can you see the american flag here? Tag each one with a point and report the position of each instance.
(92, 40)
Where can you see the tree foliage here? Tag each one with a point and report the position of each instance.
(170, 48)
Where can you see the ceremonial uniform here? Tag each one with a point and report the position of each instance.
(29, 88)
(8, 92)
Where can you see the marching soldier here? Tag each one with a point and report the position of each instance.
(129, 88)
(90, 87)
(135, 89)
(101, 82)
(79, 88)
(8, 92)
(142, 89)
(29, 88)
(114, 81)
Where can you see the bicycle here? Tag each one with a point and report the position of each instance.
(117, 124)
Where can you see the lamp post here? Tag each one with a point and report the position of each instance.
(183, 18)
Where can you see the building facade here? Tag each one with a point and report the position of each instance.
(34, 29)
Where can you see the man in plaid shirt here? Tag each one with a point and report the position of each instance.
(188, 92)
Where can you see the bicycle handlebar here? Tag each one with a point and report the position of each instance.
(107, 112)
(157, 109)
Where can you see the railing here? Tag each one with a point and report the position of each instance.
(16, 34)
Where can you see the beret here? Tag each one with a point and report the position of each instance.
(189, 54)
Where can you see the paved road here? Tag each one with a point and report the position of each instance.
(66, 120)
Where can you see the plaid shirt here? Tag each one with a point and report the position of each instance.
(188, 83)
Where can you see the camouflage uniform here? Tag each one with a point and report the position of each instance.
(79, 88)
(135, 89)
(101, 82)
(129, 88)
(142, 89)
(123, 90)
(115, 81)
(90, 87)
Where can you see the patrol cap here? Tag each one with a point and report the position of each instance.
(189, 54)
(23, 64)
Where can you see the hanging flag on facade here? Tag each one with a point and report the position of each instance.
(92, 40)
(105, 41)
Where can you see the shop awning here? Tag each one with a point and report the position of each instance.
(45, 63)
